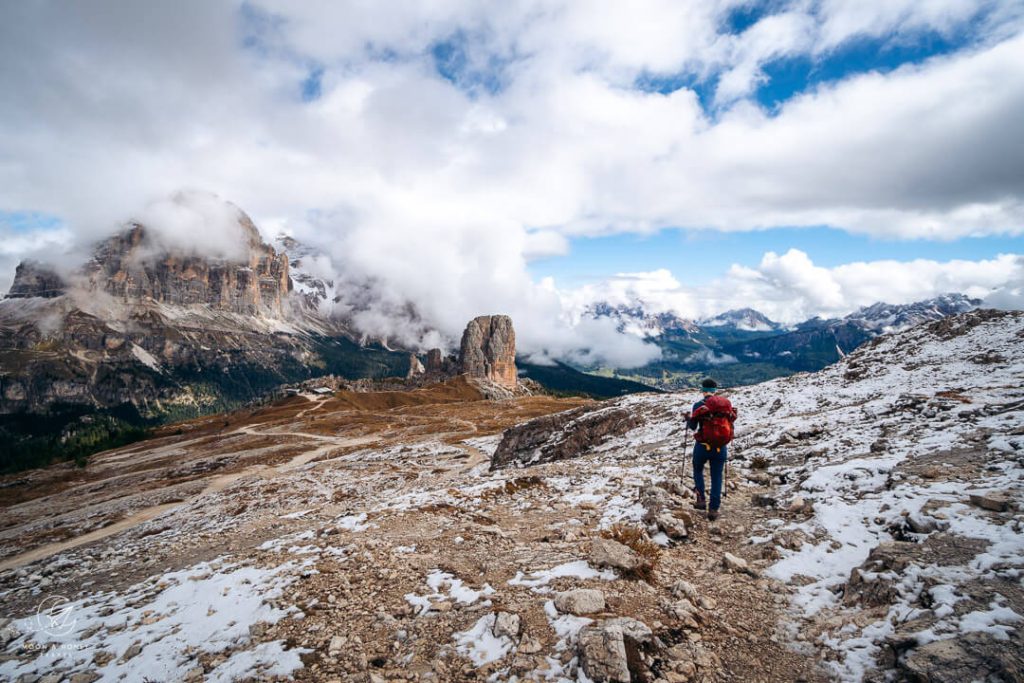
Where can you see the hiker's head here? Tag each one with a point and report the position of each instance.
(709, 386)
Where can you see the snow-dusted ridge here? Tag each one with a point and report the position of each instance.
(889, 445)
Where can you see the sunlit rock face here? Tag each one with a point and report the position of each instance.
(134, 267)
(488, 349)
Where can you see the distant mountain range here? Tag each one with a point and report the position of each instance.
(744, 346)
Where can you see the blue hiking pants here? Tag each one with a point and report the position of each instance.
(716, 458)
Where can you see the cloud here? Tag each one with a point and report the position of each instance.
(790, 288)
(195, 222)
(1010, 295)
(659, 291)
(438, 192)
(710, 357)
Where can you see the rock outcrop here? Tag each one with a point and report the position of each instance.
(488, 350)
(415, 366)
(561, 436)
(34, 279)
(435, 361)
(612, 651)
(969, 657)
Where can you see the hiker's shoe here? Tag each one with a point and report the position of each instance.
(700, 504)
(712, 515)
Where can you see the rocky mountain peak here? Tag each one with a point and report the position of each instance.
(635, 318)
(135, 266)
(35, 279)
(488, 350)
(892, 317)
(746, 319)
(140, 265)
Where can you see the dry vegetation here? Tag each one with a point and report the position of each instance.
(636, 538)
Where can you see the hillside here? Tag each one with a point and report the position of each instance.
(560, 378)
(870, 531)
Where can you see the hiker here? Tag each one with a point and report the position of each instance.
(712, 417)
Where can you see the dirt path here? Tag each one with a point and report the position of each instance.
(45, 551)
(215, 485)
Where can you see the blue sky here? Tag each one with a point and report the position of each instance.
(697, 256)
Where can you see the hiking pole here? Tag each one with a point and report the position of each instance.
(725, 483)
(686, 449)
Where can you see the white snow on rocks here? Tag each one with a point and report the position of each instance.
(480, 644)
(579, 569)
(166, 620)
(353, 522)
(146, 358)
(456, 590)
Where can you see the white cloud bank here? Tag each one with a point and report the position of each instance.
(790, 288)
(439, 191)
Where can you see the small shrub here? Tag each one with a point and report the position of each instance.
(759, 462)
(636, 539)
(514, 486)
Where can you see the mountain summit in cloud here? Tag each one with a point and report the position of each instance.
(746, 319)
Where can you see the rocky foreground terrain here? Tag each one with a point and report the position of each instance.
(873, 530)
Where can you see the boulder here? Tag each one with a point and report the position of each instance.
(674, 528)
(970, 657)
(657, 500)
(685, 589)
(580, 601)
(561, 436)
(488, 350)
(994, 501)
(604, 552)
(737, 564)
(337, 645)
(507, 624)
(685, 611)
(610, 652)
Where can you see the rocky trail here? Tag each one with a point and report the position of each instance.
(872, 531)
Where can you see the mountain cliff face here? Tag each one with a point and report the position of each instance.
(146, 332)
(34, 279)
(488, 350)
(136, 269)
(130, 266)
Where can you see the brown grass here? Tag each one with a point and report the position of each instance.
(514, 486)
(636, 539)
(759, 462)
(953, 395)
(437, 507)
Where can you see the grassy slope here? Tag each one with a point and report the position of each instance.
(562, 379)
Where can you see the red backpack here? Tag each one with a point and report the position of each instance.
(716, 417)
